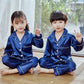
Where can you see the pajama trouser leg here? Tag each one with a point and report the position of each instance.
(23, 68)
(59, 68)
(12, 63)
(69, 66)
(43, 62)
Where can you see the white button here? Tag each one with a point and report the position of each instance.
(20, 43)
(61, 59)
(19, 49)
(57, 50)
(21, 55)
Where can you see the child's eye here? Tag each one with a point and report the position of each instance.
(60, 22)
(54, 22)
(22, 22)
(16, 23)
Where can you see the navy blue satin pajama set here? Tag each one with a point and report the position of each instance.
(57, 55)
(18, 54)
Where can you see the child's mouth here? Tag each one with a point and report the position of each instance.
(20, 28)
(58, 28)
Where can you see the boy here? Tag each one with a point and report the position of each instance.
(57, 57)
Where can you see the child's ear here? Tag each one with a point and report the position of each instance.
(66, 22)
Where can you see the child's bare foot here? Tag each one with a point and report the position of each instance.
(7, 72)
(4, 72)
(43, 70)
(70, 73)
(31, 70)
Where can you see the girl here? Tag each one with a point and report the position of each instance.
(57, 57)
(18, 52)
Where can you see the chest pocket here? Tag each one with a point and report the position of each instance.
(27, 48)
(64, 47)
(65, 50)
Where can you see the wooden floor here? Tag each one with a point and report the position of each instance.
(78, 77)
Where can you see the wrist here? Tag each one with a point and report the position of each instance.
(79, 40)
(37, 34)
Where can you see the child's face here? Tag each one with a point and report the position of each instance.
(58, 25)
(19, 24)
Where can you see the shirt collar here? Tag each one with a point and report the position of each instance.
(64, 33)
(25, 34)
(54, 38)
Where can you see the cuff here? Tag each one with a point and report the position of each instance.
(21, 72)
(78, 43)
(40, 36)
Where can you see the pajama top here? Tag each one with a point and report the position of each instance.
(22, 49)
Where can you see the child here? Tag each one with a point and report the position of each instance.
(18, 52)
(57, 57)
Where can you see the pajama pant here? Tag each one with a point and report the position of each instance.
(59, 67)
(22, 65)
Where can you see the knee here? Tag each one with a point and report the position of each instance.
(34, 61)
(73, 66)
(5, 59)
(41, 62)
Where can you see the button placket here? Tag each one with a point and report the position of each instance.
(21, 49)
(57, 53)
(20, 46)
(57, 50)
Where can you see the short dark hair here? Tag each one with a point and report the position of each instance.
(58, 15)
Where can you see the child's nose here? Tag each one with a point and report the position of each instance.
(58, 25)
(19, 25)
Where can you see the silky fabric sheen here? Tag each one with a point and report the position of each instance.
(18, 54)
(57, 54)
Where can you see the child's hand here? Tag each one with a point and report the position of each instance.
(78, 36)
(37, 31)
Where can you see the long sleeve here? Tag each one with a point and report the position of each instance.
(37, 41)
(8, 50)
(48, 49)
(76, 45)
